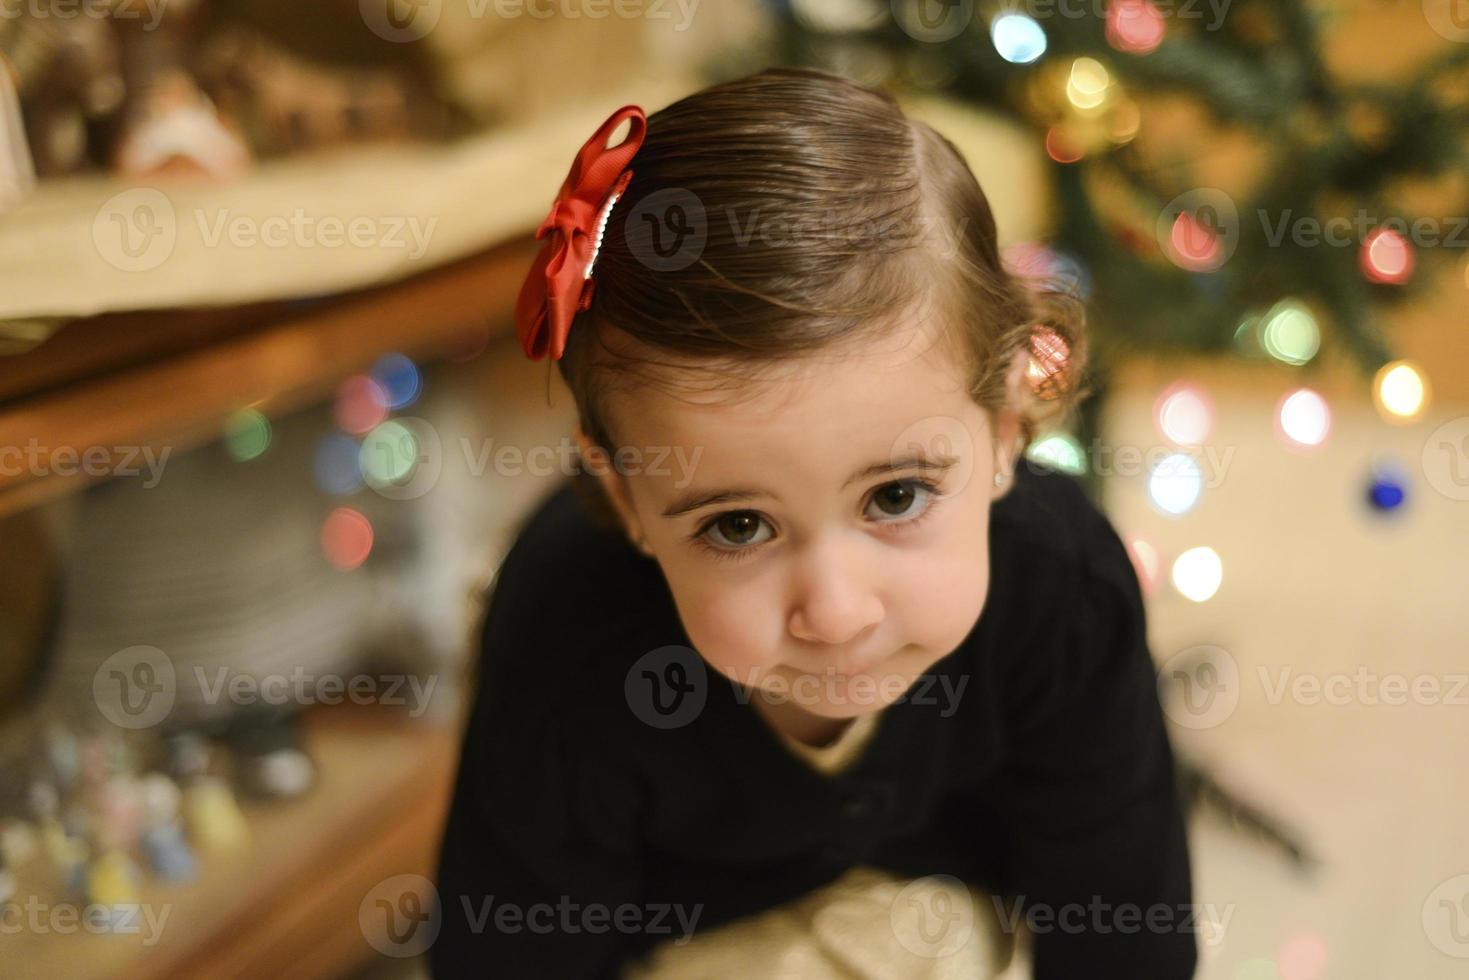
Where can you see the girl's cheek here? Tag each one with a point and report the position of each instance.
(723, 628)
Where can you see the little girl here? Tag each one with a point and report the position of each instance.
(807, 672)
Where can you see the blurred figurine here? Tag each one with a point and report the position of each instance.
(113, 880)
(163, 843)
(67, 851)
(211, 813)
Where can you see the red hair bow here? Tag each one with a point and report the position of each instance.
(559, 284)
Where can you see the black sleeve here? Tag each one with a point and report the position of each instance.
(1093, 826)
(539, 851)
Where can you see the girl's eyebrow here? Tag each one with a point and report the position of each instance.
(691, 500)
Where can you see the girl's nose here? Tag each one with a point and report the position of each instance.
(835, 601)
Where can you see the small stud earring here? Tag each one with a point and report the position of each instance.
(1000, 479)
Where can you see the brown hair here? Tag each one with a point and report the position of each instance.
(778, 214)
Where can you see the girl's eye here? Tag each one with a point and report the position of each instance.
(903, 499)
(734, 530)
(736, 533)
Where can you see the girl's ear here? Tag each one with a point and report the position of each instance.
(1008, 432)
(596, 461)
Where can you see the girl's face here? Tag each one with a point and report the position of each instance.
(825, 538)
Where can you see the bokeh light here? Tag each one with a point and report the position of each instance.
(1060, 451)
(1135, 26)
(1386, 257)
(1060, 147)
(1175, 484)
(346, 538)
(1194, 245)
(399, 379)
(1198, 573)
(360, 404)
(246, 434)
(1184, 414)
(1303, 418)
(335, 465)
(1400, 391)
(1289, 333)
(1086, 86)
(389, 454)
(1018, 38)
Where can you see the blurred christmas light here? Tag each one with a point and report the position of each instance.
(1302, 957)
(1018, 38)
(1400, 391)
(1184, 415)
(1061, 451)
(1060, 147)
(1198, 573)
(1194, 245)
(1135, 26)
(1386, 257)
(346, 538)
(1146, 562)
(1387, 487)
(1175, 484)
(389, 454)
(1247, 335)
(361, 404)
(1289, 333)
(1086, 86)
(1303, 418)
(246, 434)
(335, 465)
(399, 379)
(1070, 275)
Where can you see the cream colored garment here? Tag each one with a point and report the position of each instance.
(866, 925)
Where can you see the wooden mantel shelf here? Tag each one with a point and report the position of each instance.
(275, 358)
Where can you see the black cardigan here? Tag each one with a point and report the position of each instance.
(1032, 761)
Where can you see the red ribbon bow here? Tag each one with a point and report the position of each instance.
(559, 284)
